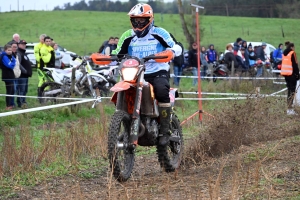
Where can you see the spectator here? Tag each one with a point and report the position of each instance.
(261, 55)
(238, 43)
(252, 55)
(16, 70)
(47, 54)
(229, 57)
(286, 43)
(26, 72)
(7, 65)
(277, 54)
(204, 64)
(178, 63)
(37, 54)
(246, 55)
(211, 57)
(260, 52)
(16, 39)
(58, 56)
(115, 44)
(108, 48)
(290, 71)
(193, 62)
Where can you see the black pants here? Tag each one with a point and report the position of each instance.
(291, 83)
(160, 82)
(10, 90)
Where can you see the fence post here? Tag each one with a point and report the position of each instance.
(232, 68)
(74, 108)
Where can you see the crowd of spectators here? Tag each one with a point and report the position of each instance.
(16, 69)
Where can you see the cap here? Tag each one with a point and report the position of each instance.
(263, 44)
(22, 42)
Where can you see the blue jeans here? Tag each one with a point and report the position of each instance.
(195, 73)
(12, 99)
(177, 72)
(22, 88)
(259, 72)
(203, 70)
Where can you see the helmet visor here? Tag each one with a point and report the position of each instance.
(139, 22)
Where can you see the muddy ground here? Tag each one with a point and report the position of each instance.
(268, 170)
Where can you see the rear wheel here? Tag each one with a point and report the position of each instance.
(170, 156)
(120, 157)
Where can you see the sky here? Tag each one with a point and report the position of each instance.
(7, 5)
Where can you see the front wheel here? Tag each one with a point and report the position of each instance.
(170, 156)
(52, 90)
(121, 158)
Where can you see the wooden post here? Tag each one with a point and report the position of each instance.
(232, 68)
(74, 108)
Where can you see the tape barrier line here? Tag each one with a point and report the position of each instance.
(228, 78)
(58, 98)
(43, 108)
(235, 94)
(279, 92)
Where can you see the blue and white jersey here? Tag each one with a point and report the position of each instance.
(157, 40)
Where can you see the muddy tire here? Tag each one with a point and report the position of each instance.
(121, 158)
(48, 86)
(170, 156)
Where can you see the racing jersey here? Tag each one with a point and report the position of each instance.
(157, 40)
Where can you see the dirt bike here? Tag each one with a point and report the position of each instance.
(58, 83)
(136, 119)
(219, 69)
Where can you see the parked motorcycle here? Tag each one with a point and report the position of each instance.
(59, 81)
(136, 119)
(219, 69)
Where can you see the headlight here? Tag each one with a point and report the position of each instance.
(129, 73)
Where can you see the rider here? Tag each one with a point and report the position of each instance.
(145, 39)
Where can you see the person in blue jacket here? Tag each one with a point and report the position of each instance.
(7, 65)
(277, 55)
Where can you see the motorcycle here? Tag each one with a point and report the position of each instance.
(219, 69)
(58, 81)
(136, 119)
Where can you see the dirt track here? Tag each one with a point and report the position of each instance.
(260, 171)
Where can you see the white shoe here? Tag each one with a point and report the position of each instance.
(291, 112)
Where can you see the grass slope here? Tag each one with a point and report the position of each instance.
(84, 31)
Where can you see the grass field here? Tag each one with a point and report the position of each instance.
(84, 31)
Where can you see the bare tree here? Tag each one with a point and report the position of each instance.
(189, 37)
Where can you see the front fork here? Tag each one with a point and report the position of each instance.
(133, 138)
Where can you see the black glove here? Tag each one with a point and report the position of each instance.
(297, 77)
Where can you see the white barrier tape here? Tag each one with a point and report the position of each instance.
(279, 91)
(234, 94)
(227, 78)
(228, 98)
(279, 83)
(43, 108)
(58, 98)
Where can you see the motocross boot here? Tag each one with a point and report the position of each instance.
(164, 116)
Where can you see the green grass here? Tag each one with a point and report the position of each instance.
(84, 31)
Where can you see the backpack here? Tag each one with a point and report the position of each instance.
(102, 47)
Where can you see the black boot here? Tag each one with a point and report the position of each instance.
(164, 115)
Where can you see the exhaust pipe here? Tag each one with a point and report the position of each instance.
(52, 92)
